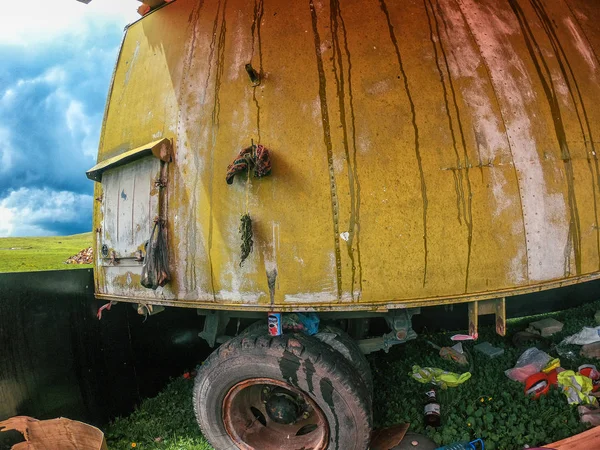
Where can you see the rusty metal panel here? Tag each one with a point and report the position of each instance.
(424, 152)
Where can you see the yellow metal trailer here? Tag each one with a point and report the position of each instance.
(422, 152)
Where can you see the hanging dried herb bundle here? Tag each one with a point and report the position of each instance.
(246, 232)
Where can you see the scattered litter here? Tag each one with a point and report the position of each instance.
(57, 433)
(585, 336)
(590, 371)
(410, 441)
(274, 324)
(591, 350)
(464, 337)
(105, 307)
(386, 438)
(537, 384)
(454, 353)
(577, 388)
(477, 444)
(546, 327)
(190, 375)
(146, 310)
(552, 365)
(531, 361)
(489, 350)
(565, 353)
(438, 377)
(526, 338)
(589, 415)
(85, 256)
(307, 323)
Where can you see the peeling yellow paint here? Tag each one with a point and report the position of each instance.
(424, 152)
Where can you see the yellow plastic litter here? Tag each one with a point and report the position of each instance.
(576, 387)
(553, 364)
(438, 377)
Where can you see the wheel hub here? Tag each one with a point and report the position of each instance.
(262, 413)
(282, 407)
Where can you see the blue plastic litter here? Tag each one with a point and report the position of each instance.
(464, 446)
(310, 322)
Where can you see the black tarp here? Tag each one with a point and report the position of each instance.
(58, 359)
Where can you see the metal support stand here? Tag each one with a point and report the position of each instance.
(482, 308)
(214, 326)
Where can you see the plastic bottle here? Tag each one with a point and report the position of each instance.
(432, 410)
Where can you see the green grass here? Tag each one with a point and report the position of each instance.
(489, 405)
(41, 253)
(165, 422)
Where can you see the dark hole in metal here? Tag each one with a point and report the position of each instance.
(253, 74)
(105, 250)
(259, 416)
(307, 429)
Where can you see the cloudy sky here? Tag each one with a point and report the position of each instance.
(57, 59)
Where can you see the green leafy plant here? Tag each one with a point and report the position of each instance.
(488, 406)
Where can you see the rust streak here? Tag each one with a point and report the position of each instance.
(468, 214)
(328, 145)
(338, 71)
(220, 67)
(256, 36)
(416, 131)
(458, 177)
(354, 150)
(191, 227)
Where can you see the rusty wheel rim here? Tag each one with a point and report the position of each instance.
(251, 427)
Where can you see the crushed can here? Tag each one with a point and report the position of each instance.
(274, 322)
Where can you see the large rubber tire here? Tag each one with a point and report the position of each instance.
(337, 339)
(341, 342)
(301, 361)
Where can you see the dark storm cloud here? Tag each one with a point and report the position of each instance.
(52, 98)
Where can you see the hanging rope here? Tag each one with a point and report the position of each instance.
(254, 157)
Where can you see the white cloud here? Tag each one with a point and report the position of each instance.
(6, 222)
(80, 123)
(28, 22)
(6, 151)
(42, 212)
(57, 59)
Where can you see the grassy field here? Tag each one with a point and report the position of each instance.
(489, 405)
(41, 253)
